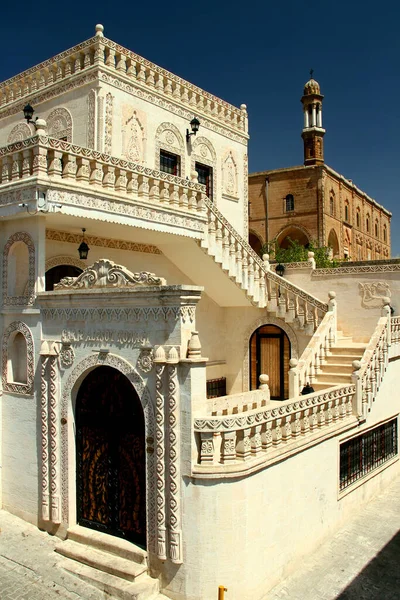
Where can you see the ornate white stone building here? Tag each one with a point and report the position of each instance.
(137, 421)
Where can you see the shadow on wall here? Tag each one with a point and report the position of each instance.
(380, 578)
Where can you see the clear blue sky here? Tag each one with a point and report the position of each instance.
(259, 53)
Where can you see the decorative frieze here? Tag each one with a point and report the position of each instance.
(75, 238)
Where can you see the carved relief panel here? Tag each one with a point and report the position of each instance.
(133, 134)
(59, 124)
(229, 176)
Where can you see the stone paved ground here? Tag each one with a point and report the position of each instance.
(361, 562)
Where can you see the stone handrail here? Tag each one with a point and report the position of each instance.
(100, 52)
(306, 369)
(238, 403)
(368, 373)
(44, 157)
(265, 287)
(252, 436)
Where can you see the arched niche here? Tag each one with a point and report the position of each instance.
(133, 135)
(333, 242)
(18, 359)
(19, 269)
(59, 124)
(19, 133)
(229, 176)
(294, 233)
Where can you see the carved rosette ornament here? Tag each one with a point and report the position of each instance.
(67, 356)
(105, 273)
(145, 360)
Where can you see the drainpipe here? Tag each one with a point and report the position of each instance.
(266, 209)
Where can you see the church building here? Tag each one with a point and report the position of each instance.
(313, 202)
(176, 413)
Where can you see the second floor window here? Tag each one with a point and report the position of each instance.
(289, 203)
(332, 205)
(205, 177)
(346, 213)
(170, 163)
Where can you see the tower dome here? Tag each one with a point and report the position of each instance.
(312, 87)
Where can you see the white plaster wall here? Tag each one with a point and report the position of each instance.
(355, 317)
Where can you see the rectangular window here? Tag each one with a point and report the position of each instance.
(289, 203)
(364, 453)
(216, 387)
(205, 177)
(170, 163)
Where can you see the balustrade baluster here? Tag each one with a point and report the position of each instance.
(251, 276)
(86, 59)
(335, 409)
(225, 250)
(109, 177)
(143, 191)
(168, 87)
(39, 164)
(256, 440)
(277, 432)
(239, 263)
(329, 416)
(154, 191)
(133, 184)
(121, 63)
(96, 173)
(305, 421)
(228, 447)
(185, 95)
(211, 234)
(184, 199)
(26, 163)
(121, 181)
(243, 445)
(176, 93)
(256, 284)
(55, 163)
(174, 200)
(266, 436)
(296, 425)
(16, 166)
(218, 242)
(309, 328)
(206, 448)
(263, 290)
(141, 73)
(110, 59)
(69, 166)
(77, 63)
(287, 428)
(83, 169)
(314, 418)
(321, 415)
(131, 70)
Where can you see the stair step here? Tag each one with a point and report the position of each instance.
(342, 359)
(322, 385)
(103, 561)
(336, 377)
(349, 346)
(107, 543)
(338, 367)
(146, 588)
(340, 351)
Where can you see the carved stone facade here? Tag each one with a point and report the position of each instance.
(59, 124)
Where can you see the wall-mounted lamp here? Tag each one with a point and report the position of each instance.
(28, 114)
(83, 248)
(194, 124)
(280, 269)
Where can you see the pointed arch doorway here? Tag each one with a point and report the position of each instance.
(270, 355)
(110, 451)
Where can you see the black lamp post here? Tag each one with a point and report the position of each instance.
(194, 125)
(83, 248)
(280, 269)
(28, 113)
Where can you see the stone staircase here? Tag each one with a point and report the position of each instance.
(337, 367)
(113, 565)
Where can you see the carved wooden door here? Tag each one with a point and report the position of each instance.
(269, 355)
(110, 443)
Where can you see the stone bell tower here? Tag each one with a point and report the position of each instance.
(313, 132)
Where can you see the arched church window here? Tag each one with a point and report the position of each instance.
(367, 224)
(376, 229)
(358, 219)
(332, 204)
(347, 212)
(384, 233)
(289, 203)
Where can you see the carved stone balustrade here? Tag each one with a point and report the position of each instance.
(100, 57)
(44, 160)
(261, 435)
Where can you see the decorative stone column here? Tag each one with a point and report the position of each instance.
(175, 532)
(159, 360)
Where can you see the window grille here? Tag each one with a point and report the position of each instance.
(364, 453)
(289, 203)
(216, 387)
(169, 163)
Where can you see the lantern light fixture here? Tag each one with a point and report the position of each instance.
(83, 248)
(194, 125)
(28, 113)
(280, 269)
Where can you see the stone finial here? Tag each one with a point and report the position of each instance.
(194, 176)
(44, 348)
(356, 364)
(265, 258)
(173, 355)
(99, 30)
(293, 362)
(386, 301)
(311, 260)
(243, 107)
(263, 379)
(41, 127)
(332, 295)
(194, 346)
(159, 355)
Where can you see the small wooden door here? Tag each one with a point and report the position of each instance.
(269, 355)
(110, 444)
